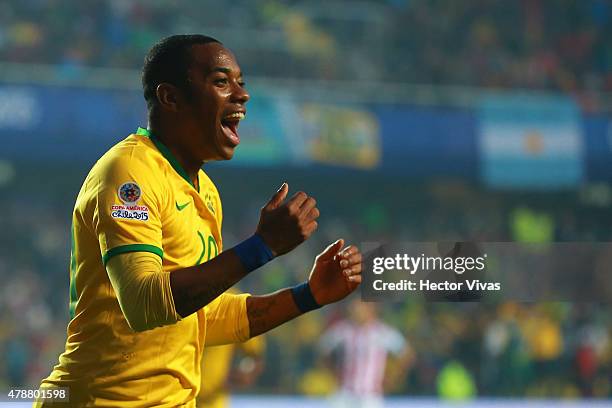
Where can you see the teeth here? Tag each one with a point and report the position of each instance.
(235, 115)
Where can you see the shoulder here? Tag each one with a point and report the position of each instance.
(134, 153)
(393, 339)
(341, 328)
(134, 159)
(384, 328)
(131, 171)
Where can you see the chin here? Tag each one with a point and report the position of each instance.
(225, 153)
(224, 149)
(228, 156)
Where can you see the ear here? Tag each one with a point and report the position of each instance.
(168, 96)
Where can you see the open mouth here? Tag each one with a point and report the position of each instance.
(230, 126)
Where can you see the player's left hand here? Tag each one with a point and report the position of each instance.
(336, 273)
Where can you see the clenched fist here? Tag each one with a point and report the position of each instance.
(284, 226)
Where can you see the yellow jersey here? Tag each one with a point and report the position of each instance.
(137, 197)
(216, 366)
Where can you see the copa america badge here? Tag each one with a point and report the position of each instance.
(129, 193)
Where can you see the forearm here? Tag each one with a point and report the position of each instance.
(269, 311)
(142, 289)
(196, 286)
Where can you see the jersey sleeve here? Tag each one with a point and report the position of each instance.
(226, 320)
(333, 338)
(143, 290)
(128, 206)
(393, 340)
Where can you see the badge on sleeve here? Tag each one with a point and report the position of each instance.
(129, 193)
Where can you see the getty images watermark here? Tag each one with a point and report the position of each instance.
(487, 271)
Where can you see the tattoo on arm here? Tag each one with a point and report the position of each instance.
(269, 311)
(194, 300)
(197, 286)
(258, 315)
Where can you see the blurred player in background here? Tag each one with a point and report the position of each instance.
(148, 271)
(230, 366)
(364, 343)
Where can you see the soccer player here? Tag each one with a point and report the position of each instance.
(148, 271)
(365, 343)
(219, 375)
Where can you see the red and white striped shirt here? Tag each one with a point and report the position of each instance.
(364, 354)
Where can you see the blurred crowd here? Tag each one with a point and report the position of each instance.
(557, 349)
(460, 349)
(561, 45)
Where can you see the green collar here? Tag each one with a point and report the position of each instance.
(167, 154)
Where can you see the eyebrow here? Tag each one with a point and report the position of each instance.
(224, 70)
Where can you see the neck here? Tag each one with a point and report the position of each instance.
(172, 139)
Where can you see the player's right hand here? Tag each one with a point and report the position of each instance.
(285, 225)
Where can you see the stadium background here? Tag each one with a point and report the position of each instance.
(401, 102)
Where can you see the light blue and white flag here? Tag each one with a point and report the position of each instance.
(528, 141)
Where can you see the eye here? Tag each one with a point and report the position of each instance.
(220, 81)
(241, 83)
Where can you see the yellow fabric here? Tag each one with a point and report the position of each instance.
(226, 320)
(143, 290)
(215, 371)
(253, 347)
(216, 365)
(105, 362)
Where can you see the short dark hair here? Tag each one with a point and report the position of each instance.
(168, 61)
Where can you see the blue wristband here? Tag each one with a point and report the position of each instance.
(253, 253)
(302, 296)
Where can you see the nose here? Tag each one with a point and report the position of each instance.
(240, 94)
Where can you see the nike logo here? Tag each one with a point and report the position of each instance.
(181, 207)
